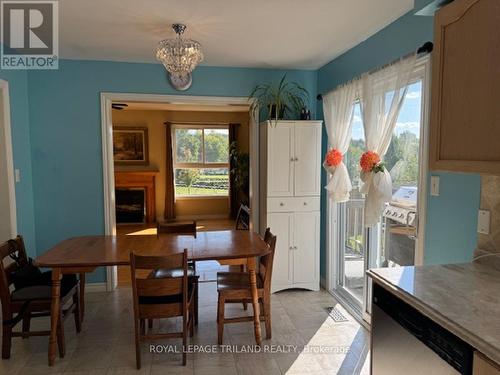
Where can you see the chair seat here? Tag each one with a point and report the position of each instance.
(227, 281)
(41, 292)
(157, 300)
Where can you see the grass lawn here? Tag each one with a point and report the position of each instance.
(182, 190)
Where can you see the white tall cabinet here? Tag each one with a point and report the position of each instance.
(290, 188)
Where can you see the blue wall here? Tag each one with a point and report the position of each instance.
(451, 217)
(66, 133)
(18, 93)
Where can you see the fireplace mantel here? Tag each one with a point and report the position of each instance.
(140, 179)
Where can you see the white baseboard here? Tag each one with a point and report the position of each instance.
(95, 287)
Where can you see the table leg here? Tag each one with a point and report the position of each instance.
(82, 295)
(255, 299)
(54, 314)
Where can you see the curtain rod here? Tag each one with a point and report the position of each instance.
(424, 49)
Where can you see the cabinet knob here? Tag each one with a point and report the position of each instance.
(296, 159)
(305, 203)
(292, 159)
(282, 204)
(291, 247)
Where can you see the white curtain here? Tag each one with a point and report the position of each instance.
(338, 113)
(382, 96)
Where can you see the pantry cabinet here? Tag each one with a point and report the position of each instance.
(290, 188)
(465, 110)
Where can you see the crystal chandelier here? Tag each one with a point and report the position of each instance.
(180, 57)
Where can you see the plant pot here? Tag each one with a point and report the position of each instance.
(272, 112)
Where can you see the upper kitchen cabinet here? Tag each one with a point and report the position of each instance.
(465, 112)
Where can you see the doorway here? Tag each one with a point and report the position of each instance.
(179, 127)
(351, 247)
(8, 227)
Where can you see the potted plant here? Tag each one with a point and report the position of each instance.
(286, 99)
(240, 170)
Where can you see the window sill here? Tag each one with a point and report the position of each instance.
(194, 197)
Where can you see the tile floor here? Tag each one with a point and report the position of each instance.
(105, 345)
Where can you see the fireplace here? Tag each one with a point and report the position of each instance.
(135, 196)
(130, 205)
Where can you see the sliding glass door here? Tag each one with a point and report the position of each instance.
(395, 241)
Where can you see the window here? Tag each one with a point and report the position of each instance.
(201, 160)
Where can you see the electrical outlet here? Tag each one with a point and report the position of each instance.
(435, 186)
(17, 175)
(483, 222)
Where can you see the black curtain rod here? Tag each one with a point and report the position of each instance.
(423, 49)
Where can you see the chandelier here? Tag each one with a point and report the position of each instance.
(180, 57)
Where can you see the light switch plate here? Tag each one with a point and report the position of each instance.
(435, 186)
(17, 175)
(483, 222)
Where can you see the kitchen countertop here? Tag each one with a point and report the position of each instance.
(463, 298)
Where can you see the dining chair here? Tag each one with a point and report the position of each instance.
(234, 287)
(33, 300)
(188, 228)
(242, 223)
(156, 298)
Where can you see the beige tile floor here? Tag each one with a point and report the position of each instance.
(105, 345)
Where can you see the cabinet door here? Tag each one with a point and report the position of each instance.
(306, 247)
(465, 113)
(281, 225)
(483, 366)
(307, 159)
(280, 160)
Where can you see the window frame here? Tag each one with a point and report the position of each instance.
(197, 165)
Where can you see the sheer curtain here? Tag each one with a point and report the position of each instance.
(381, 99)
(338, 114)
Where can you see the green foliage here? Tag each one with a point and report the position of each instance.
(188, 144)
(286, 97)
(241, 168)
(401, 159)
(216, 147)
(189, 147)
(188, 177)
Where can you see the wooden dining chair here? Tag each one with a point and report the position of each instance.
(234, 287)
(31, 301)
(242, 223)
(187, 228)
(165, 297)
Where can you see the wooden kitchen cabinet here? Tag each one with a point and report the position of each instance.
(465, 108)
(483, 366)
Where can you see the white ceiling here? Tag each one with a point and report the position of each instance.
(248, 33)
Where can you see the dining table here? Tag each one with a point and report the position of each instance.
(80, 255)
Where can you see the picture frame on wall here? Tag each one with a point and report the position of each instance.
(130, 145)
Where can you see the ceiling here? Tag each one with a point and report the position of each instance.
(303, 34)
(149, 106)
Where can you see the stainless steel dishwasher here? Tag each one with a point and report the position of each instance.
(403, 341)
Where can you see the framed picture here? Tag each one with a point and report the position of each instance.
(130, 145)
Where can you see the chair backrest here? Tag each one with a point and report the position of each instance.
(14, 247)
(180, 227)
(150, 294)
(243, 218)
(266, 261)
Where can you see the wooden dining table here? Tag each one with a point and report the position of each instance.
(84, 254)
